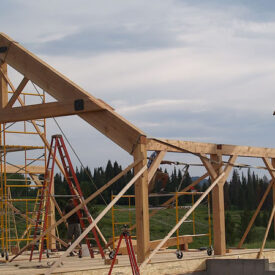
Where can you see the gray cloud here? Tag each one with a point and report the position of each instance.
(195, 70)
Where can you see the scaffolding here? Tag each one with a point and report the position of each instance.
(123, 220)
(193, 221)
(21, 176)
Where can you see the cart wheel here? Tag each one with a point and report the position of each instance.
(112, 254)
(179, 254)
(7, 256)
(209, 251)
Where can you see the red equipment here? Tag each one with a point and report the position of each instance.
(127, 237)
(57, 143)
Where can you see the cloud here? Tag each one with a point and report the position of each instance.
(163, 105)
(195, 70)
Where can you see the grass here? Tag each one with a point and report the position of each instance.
(162, 223)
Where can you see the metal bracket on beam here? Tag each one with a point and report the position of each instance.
(3, 49)
(79, 105)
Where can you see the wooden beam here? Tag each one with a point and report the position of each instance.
(208, 148)
(218, 210)
(187, 214)
(5, 76)
(208, 166)
(3, 86)
(17, 92)
(214, 168)
(45, 110)
(155, 165)
(182, 240)
(141, 203)
(61, 88)
(11, 169)
(86, 201)
(94, 223)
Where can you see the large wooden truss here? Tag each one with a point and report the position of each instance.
(73, 100)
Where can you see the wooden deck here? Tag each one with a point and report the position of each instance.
(164, 262)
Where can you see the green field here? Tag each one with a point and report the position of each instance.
(165, 220)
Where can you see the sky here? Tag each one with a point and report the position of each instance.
(189, 70)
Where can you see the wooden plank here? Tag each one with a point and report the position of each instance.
(3, 86)
(45, 110)
(17, 92)
(10, 169)
(171, 241)
(183, 240)
(90, 198)
(208, 148)
(94, 223)
(187, 214)
(155, 165)
(142, 204)
(61, 88)
(266, 232)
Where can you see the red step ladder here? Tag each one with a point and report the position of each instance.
(57, 143)
(128, 240)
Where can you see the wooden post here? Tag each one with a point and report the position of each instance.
(141, 203)
(218, 209)
(3, 86)
(51, 221)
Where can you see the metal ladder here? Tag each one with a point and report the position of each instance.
(57, 143)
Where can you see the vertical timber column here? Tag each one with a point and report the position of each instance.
(3, 86)
(3, 103)
(141, 201)
(218, 210)
(51, 221)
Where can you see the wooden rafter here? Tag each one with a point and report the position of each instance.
(61, 88)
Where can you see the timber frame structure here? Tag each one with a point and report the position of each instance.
(218, 159)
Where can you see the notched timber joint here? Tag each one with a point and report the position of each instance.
(79, 105)
(3, 49)
(142, 139)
